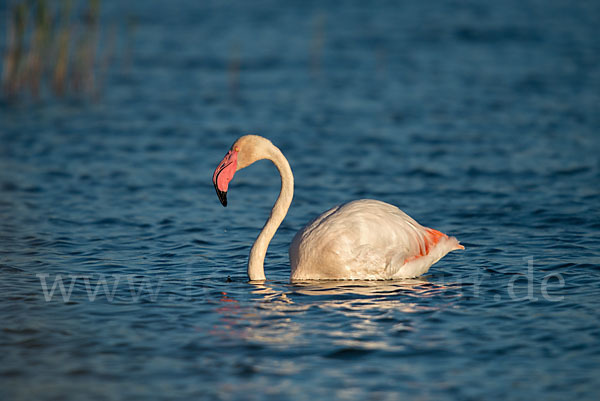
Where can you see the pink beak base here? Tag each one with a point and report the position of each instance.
(224, 174)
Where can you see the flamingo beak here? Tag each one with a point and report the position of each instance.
(222, 197)
(224, 174)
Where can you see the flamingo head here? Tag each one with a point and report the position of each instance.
(245, 151)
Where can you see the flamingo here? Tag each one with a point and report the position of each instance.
(360, 240)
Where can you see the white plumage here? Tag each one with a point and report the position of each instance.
(367, 240)
(360, 240)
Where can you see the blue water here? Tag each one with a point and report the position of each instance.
(479, 119)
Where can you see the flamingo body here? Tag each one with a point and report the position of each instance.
(367, 240)
(360, 240)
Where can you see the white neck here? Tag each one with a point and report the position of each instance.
(256, 270)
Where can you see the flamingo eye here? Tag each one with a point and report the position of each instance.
(237, 149)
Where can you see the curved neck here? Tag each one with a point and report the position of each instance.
(258, 252)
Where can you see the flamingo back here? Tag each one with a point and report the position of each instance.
(366, 239)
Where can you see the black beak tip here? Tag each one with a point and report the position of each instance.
(222, 197)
